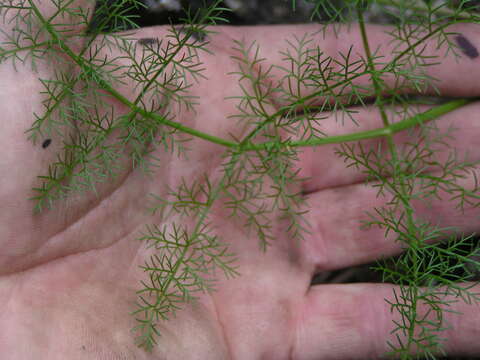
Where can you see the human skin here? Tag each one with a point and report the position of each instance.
(69, 275)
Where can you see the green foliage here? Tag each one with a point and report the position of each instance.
(185, 258)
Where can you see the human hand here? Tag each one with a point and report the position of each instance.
(69, 275)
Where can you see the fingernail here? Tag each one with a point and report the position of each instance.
(466, 46)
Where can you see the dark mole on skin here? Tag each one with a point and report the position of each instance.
(466, 46)
(46, 143)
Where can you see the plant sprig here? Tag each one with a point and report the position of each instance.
(163, 71)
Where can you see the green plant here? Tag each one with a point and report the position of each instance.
(76, 99)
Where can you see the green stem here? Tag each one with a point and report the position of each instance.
(400, 190)
(391, 129)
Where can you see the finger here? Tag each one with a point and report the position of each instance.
(430, 145)
(454, 74)
(354, 322)
(335, 217)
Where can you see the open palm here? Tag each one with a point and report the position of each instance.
(69, 275)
